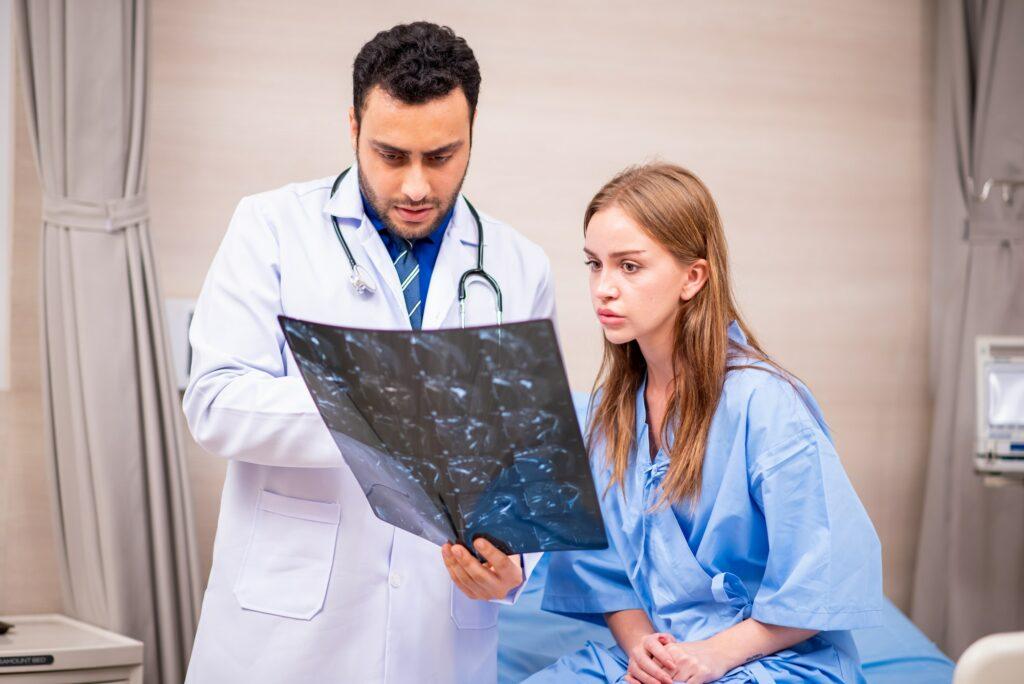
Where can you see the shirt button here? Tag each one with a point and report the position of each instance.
(395, 580)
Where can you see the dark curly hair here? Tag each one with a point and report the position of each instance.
(416, 63)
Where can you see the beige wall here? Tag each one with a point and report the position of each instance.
(810, 123)
(29, 581)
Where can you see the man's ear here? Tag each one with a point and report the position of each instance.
(353, 128)
(696, 277)
(472, 125)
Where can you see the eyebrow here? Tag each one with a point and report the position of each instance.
(446, 149)
(617, 255)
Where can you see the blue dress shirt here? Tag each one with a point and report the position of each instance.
(424, 249)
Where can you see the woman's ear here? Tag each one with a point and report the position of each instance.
(694, 278)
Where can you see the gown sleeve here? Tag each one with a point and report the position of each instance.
(587, 584)
(824, 568)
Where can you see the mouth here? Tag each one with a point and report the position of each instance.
(414, 214)
(609, 318)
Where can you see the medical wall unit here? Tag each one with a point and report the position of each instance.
(999, 454)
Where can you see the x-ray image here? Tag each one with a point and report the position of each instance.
(459, 433)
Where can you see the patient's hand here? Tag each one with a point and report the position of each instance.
(493, 580)
(650, 661)
(699, 661)
(695, 662)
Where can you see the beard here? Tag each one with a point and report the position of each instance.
(383, 208)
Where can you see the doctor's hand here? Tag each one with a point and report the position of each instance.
(493, 580)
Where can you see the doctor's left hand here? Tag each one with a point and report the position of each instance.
(485, 582)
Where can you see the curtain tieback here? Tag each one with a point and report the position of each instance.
(109, 217)
(989, 230)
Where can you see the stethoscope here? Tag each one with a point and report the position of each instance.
(363, 283)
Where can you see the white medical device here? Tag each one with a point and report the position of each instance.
(1000, 407)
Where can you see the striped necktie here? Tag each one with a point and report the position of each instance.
(409, 276)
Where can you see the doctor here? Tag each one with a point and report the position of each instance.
(307, 585)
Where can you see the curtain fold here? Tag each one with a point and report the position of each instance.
(969, 572)
(114, 442)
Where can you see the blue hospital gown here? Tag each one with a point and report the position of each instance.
(778, 534)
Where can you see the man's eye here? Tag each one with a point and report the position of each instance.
(441, 159)
(391, 156)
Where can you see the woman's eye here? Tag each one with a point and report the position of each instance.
(630, 267)
(592, 264)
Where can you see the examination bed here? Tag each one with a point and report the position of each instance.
(530, 639)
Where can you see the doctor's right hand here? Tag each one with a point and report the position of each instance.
(484, 582)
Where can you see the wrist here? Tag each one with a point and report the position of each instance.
(724, 654)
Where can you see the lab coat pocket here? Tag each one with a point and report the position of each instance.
(469, 613)
(287, 566)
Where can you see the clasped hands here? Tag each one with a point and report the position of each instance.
(660, 659)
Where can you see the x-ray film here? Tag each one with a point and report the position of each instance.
(455, 434)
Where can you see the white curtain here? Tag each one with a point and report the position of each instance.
(123, 508)
(969, 575)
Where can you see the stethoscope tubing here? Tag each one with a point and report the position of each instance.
(363, 284)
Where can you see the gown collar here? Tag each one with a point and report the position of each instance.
(656, 467)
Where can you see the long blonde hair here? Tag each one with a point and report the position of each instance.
(674, 208)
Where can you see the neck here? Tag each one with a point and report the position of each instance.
(658, 355)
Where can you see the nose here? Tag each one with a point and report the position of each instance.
(415, 185)
(604, 286)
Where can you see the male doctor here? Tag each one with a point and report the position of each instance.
(307, 585)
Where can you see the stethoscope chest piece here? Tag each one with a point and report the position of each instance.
(361, 280)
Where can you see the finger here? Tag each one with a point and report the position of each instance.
(446, 556)
(630, 679)
(652, 668)
(648, 666)
(506, 568)
(501, 563)
(459, 575)
(639, 675)
(484, 577)
(661, 654)
(452, 568)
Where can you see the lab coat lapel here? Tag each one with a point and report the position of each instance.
(458, 253)
(383, 271)
(347, 204)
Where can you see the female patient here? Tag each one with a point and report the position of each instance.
(738, 550)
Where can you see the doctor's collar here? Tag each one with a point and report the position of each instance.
(346, 203)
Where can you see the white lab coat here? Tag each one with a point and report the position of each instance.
(307, 585)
